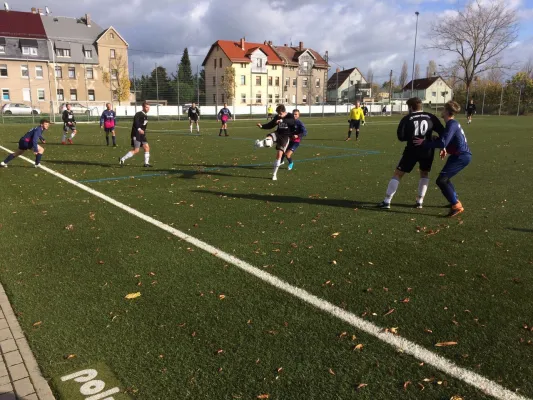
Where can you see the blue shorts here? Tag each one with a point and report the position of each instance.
(293, 146)
(109, 130)
(455, 164)
(23, 145)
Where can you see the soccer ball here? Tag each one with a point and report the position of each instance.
(268, 142)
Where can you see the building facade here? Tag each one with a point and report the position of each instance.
(348, 86)
(264, 74)
(433, 90)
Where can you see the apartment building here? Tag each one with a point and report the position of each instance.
(264, 74)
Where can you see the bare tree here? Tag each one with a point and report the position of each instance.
(528, 68)
(370, 76)
(403, 75)
(477, 36)
(417, 71)
(432, 69)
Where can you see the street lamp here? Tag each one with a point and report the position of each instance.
(414, 56)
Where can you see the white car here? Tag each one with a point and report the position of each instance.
(19, 109)
(76, 108)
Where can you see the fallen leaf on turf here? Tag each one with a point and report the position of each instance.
(359, 347)
(389, 312)
(220, 351)
(444, 344)
(406, 300)
(37, 323)
(428, 331)
(101, 262)
(222, 297)
(331, 371)
(361, 385)
(70, 356)
(334, 235)
(456, 397)
(69, 227)
(133, 295)
(406, 385)
(263, 396)
(334, 262)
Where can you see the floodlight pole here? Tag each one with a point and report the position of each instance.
(414, 56)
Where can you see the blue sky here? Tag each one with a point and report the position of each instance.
(377, 34)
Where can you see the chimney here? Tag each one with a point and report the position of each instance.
(242, 43)
(338, 70)
(285, 45)
(88, 20)
(301, 46)
(270, 42)
(40, 11)
(265, 42)
(33, 10)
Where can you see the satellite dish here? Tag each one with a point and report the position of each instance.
(47, 10)
(6, 6)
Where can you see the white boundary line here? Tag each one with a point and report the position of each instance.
(428, 357)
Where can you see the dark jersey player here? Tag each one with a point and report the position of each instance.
(414, 125)
(299, 132)
(470, 110)
(107, 122)
(194, 117)
(30, 142)
(453, 142)
(69, 123)
(138, 136)
(285, 125)
(224, 115)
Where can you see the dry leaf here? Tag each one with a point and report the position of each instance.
(37, 323)
(221, 297)
(406, 385)
(133, 295)
(359, 347)
(406, 300)
(444, 344)
(70, 356)
(69, 227)
(361, 385)
(456, 397)
(334, 235)
(331, 371)
(389, 312)
(263, 396)
(101, 262)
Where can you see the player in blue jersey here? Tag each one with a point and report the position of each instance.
(453, 143)
(107, 122)
(224, 115)
(30, 141)
(299, 133)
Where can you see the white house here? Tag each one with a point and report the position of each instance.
(433, 90)
(347, 86)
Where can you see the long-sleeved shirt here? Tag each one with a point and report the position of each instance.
(140, 121)
(194, 112)
(419, 124)
(108, 119)
(471, 108)
(33, 136)
(453, 139)
(286, 126)
(357, 114)
(224, 111)
(68, 116)
(300, 130)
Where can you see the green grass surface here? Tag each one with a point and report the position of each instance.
(467, 280)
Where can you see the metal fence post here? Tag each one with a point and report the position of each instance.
(501, 100)
(157, 89)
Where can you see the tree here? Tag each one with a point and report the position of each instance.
(117, 78)
(403, 75)
(477, 36)
(228, 83)
(432, 69)
(183, 81)
(417, 71)
(370, 76)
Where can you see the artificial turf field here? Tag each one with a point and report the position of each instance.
(205, 329)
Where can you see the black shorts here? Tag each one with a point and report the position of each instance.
(355, 123)
(67, 127)
(109, 130)
(194, 120)
(282, 141)
(410, 158)
(468, 115)
(138, 141)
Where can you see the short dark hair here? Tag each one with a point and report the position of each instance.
(44, 121)
(414, 103)
(295, 110)
(280, 108)
(145, 103)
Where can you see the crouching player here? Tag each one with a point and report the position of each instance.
(29, 141)
(285, 129)
(299, 133)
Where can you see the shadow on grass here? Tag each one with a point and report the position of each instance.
(73, 162)
(525, 230)
(360, 205)
(202, 167)
(74, 144)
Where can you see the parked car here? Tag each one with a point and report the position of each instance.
(19, 109)
(76, 108)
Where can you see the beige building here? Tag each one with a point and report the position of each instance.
(264, 74)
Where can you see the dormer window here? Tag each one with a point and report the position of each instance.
(29, 51)
(260, 62)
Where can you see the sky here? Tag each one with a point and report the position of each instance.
(377, 34)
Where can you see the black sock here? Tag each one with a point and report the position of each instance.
(107, 139)
(226, 132)
(38, 159)
(114, 140)
(349, 133)
(289, 159)
(282, 157)
(357, 134)
(220, 133)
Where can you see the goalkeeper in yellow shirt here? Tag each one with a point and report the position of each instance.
(356, 116)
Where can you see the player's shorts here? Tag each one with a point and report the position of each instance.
(25, 145)
(195, 119)
(282, 141)
(293, 146)
(67, 127)
(109, 130)
(455, 164)
(355, 123)
(469, 114)
(137, 142)
(410, 158)
(224, 119)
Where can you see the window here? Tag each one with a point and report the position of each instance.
(258, 81)
(277, 80)
(270, 81)
(73, 94)
(111, 35)
(91, 95)
(5, 95)
(317, 82)
(40, 94)
(243, 65)
(304, 82)
(287, 81)
(214, 81)
(433, 94)
(89, 73)
(223, 98)
(63, 52)
(29, 51)
(317, 99)
(60, 95)
(88, 53)
(274, 67)
(259, 62)
(306, 65)
(114, 74)
(220, 62)
(71, 72)
(243, 98)
(2, 49)
(214, 96)
(270, 98)
(243, 79)
(3, 70)
(304, 99)
(39, 71)
(59, 72)
(222, 79)
(115, 95)
(112, 53)
(351, 83)
(24, 71)
(294, 82)
(291, 68)
(215, 60)
(258, 98)
(277, 99)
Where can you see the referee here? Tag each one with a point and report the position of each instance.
(356, 116)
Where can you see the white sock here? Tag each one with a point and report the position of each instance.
(197, 127)
(277, 163)
(129, 154)
(72, 135)
(190, 127)
(391, 189)
(147, 158)
(422, 189)
(64, 137)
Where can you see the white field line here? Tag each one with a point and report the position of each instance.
(428, 357)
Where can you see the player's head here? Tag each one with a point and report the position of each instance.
(414, 104)
(69, 106)
(108, 106)
(193, 104)
(451, 108)
(471, 101)
(296, 113)
(358, 103)
(45, 123)
(146, 107)
(280, 110)
(225, 105)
